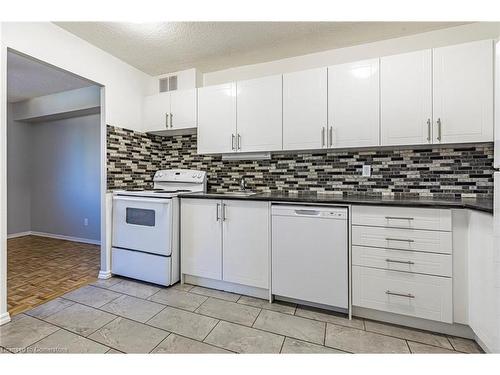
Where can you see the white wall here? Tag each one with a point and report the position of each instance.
(59, 104)
(4, 315)
(125, 85)
(186, 79)
(484, 290)
(438, 38)
(18, 175)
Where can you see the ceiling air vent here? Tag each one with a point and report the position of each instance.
(168, 84)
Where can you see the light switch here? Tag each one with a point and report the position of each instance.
(367, 170)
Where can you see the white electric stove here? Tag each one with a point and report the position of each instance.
(145, 243)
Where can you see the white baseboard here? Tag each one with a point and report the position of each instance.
(20, 234)
(4, 318)
(455, 329)
(56, 236)
(226, 286)
(104, 275)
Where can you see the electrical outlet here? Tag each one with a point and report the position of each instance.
(85, 222)
(367, 170)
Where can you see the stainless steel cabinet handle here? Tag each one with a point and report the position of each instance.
(408, 295)
(399, 239)
(323, 136)
(232, 142)
(428, 130)
(217, 217)
(171, 120)
(238, 142)
(398, 218)
(224, 212)
(399, 261)
(331, 136)
(166, 120)
(439, 129)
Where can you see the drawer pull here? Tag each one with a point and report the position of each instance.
(398, 218)
(388, 292)
(399, 239)
(399, 261)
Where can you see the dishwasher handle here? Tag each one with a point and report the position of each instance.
(302, 212)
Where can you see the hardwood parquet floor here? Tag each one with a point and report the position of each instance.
(40, 269)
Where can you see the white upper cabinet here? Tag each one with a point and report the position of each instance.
(183, 109)
(353, 104)
(463, 93)
(217, 119)
(406, 98)
(305, 109)
(259, 115)
(170, 110)
(156, 112)
(444, 95)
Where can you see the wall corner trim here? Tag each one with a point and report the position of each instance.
(4, 318)
(104, 275)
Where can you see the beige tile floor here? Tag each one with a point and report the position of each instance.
(121, 315)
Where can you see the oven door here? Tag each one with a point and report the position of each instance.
(142, 224)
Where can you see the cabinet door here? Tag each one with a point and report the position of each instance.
(217, 119)
(463, 92)
(353, 104)
(406, 98)
(155, 112)
(183, 109)
(259, 119)
(201, 238)
(246, 243)
(305, 109)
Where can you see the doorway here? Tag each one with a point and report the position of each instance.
(54, 187)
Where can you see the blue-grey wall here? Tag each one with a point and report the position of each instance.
(18, 175)
(62, 160)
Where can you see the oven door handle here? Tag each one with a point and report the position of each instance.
(141, 199)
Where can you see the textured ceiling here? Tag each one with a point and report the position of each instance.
(27, 78)
(158, 48)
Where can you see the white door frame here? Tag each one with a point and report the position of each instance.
(105, 271)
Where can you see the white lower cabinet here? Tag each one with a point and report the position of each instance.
(245, 258)
(421, 296)
(403, 260)
(201, 238)
(404, 239)
(226, 240)
(407, 269)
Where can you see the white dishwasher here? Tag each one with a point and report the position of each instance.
(310, 254)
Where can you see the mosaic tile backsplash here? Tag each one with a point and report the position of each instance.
(458, 171)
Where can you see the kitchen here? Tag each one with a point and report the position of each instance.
(257, 209)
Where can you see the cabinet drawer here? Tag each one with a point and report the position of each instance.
(402, 217)
(404, 239)
(403, 260)
(422, 296)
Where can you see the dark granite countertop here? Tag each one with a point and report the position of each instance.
(478, 204)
